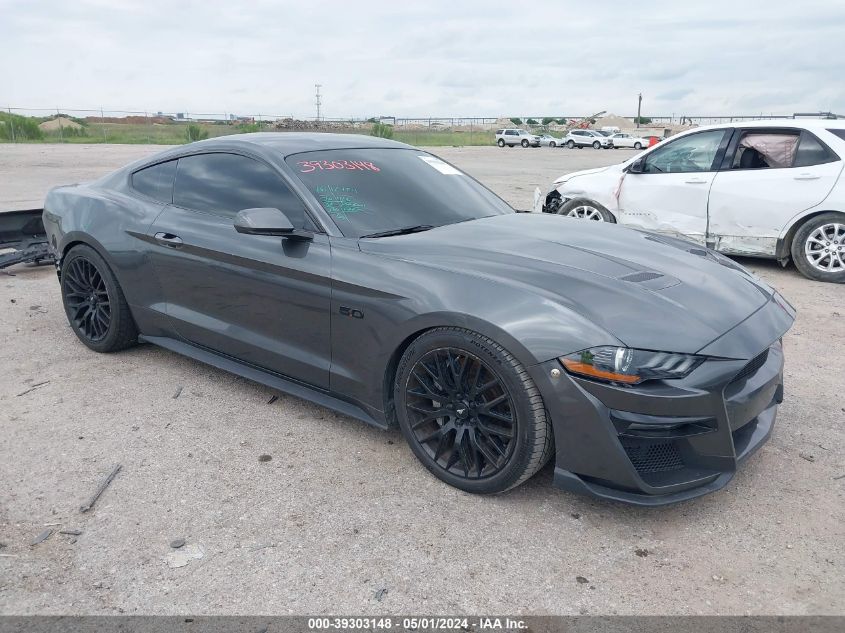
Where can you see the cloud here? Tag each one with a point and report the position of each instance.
(436, 58)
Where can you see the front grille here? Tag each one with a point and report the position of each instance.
(753, 365)
(653, 457)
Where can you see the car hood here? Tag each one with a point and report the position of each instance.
(583, 172)
(648, 291)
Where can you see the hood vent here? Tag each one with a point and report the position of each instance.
(638, 278)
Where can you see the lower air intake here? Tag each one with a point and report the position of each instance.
(649, 456)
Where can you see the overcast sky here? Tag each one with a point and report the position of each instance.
(432, 58)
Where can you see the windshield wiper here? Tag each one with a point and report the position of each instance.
(403, 231)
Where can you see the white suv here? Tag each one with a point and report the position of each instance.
(515, 136)
(769, 189)
(587, 138)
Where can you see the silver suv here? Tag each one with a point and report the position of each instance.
(515, 136)
(587, 138)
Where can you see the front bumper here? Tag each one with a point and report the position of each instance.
(664, 441)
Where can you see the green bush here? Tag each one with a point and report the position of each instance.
(195, 133)
(68, 132)
(548, 119)
(561, 121)
(516, 120)
(642, 120)
(19, 128)
(532, 122)
(246, 128)
(382, 130)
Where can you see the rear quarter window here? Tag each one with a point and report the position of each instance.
(156, 182)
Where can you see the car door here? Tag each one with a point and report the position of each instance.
(671, 193)
(769, 175)
(263, 300)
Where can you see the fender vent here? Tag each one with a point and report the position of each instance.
(638, 278)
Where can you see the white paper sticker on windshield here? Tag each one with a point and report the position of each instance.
(439, 165)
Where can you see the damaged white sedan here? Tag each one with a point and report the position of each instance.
(769, 189)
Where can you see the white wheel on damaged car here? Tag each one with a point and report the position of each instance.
(585, 210)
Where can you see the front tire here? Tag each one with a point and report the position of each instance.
(94, 303)
(584, 209)
(470, 412)
(638, 145)
(552, 144)
(524, 143)
(596, 145)
(570, 144)
(818, 248)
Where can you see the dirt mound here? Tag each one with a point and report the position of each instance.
(59, 123)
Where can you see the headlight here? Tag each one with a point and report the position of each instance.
(629, 366)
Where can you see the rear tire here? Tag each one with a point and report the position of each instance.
(94, 303)
(552, 144)
(501, 143)
(445, 384)
(818, 248)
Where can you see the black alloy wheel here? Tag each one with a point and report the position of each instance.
(460, 413)
(86, 299)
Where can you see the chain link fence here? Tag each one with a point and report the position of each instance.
(71, 125)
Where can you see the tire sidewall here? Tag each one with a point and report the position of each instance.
(576, 202)
(86, 252)
(475, 345)
(800, 239)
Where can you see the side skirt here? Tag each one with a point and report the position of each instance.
(275, 381)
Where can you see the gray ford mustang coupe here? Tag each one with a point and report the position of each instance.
(380, 281)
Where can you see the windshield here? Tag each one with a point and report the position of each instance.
(368, 191)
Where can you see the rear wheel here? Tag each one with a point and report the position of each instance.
(584, 209)
(94, 303)
(501, 142)
(470, 412)
(552, 144)
(570, 144)
(818, 248)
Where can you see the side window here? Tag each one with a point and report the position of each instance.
(692, 153)
(224, 184)
(156, 181)
(499, 131)
(811, 151)
(765, 150)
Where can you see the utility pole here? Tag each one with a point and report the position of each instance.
(639, 107)
(317, 100)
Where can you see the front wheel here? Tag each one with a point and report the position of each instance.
(584, 209)
(470, 412)
(638, 145)
(818, 248)
(596, 145)
(570, 144)
(524, 143)
(501, 143)
(552, 144)
(94, 303)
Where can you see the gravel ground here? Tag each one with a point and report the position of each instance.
(343, 519)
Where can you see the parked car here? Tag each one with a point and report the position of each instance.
(623, 139)
(551, 141)
(514, 136)
(376, 279)
(587, 138)
(763, 189)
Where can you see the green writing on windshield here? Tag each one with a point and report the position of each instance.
(339, 202)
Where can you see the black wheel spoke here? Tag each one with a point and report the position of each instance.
(450, 399)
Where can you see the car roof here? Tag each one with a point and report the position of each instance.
(287, 143)
(809, 124)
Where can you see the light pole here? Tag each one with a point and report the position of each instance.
(639, 107)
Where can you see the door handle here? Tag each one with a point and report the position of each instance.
(168, 239)
(807, 177)
(697, 181)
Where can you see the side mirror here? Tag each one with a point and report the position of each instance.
(268, 221)
(636, 167)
